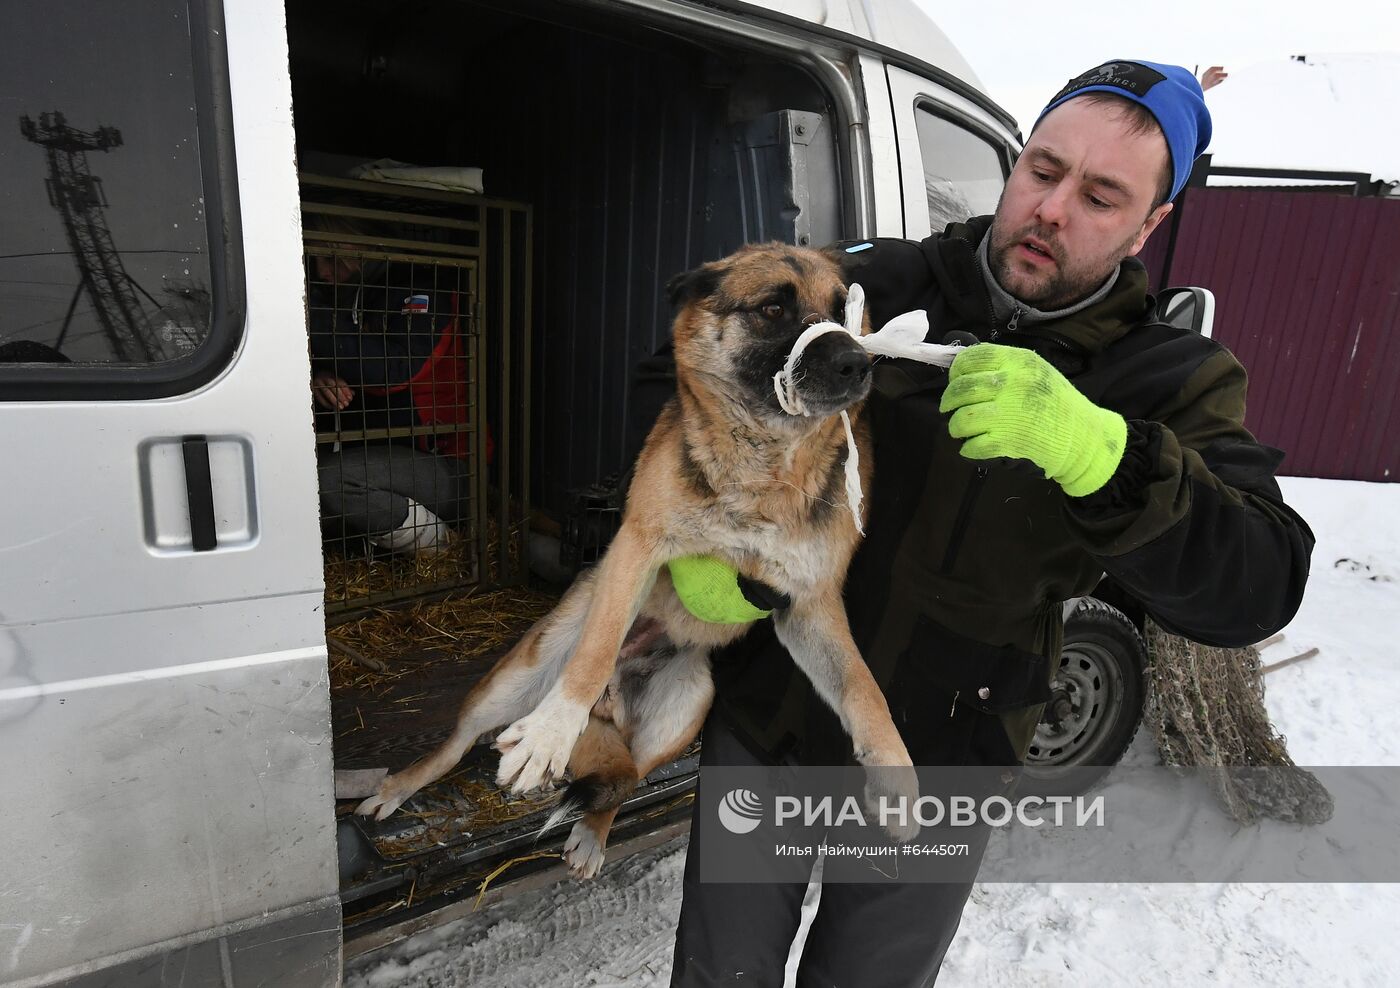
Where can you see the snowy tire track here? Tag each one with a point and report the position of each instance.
(617, 930)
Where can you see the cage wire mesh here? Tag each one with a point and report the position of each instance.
(418, 328)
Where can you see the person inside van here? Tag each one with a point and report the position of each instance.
(386, 361)
(1078, 436)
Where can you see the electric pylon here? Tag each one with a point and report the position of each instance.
(78, 196)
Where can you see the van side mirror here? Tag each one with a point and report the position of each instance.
(1188, 308)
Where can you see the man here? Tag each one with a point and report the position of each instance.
(1079, 437)
(384, 341)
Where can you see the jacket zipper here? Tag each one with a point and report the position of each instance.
(1011, 323)
(974, 486)
(991, 311)
(955, 540)
(1057, 340)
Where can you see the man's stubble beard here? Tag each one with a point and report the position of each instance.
(1066, 285)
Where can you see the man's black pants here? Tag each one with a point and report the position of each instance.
(864, 936)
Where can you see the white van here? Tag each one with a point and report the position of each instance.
(166, 747)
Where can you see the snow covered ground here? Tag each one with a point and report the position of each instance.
(1336, 709)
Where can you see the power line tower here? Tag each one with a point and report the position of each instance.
(77, 194)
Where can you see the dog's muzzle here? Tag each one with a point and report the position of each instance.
(834, 374)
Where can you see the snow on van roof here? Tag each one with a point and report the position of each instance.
(1326, 112)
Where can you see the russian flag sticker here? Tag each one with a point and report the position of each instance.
(414, 303)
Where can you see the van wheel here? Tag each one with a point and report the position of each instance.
(1095, 704)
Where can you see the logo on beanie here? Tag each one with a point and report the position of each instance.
(740, 811)
(1127, 76)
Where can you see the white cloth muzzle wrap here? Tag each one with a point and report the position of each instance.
(902, 336)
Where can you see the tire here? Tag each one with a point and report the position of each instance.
(1102, 680)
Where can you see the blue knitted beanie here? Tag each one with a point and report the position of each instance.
(1169, 91)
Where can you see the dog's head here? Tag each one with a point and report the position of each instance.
(739, 317)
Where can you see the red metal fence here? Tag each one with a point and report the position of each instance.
(1307, 290)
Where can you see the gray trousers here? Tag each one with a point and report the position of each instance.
(365, 487)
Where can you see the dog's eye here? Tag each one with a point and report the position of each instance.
(772, 310)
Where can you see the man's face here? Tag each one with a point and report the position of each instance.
(339, 269)
(1077, 203)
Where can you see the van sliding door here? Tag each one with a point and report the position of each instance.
(164, 713)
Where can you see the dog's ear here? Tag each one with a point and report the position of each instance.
(691, 285)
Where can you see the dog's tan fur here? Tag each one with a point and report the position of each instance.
(721, 474)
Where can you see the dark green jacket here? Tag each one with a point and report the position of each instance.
(954, 596)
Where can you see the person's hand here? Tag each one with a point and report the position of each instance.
(330, 391)
(1213, 76)
(1007, 401)
(713, 591)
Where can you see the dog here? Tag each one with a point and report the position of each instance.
(616, 679)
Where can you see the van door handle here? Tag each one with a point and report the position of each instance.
(199, 486)
(183, 510)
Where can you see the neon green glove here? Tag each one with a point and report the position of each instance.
(1011, 402)
(709, 589)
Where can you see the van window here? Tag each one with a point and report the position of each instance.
(104, 248)
(963, 173)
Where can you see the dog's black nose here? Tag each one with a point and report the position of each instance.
(852, 363)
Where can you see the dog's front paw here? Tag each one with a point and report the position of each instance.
(392, 794)
(535, 749)
(888, 790)
(583, 852)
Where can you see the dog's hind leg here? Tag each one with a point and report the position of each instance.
(513, 687)
(663, 712)
(604, 776)
(588, 843)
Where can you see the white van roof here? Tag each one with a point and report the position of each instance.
(901, 25)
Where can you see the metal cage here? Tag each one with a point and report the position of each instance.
(418, 323)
